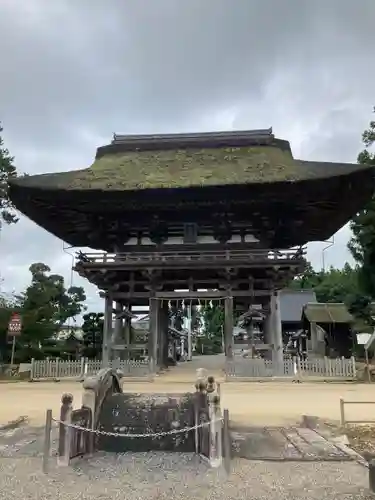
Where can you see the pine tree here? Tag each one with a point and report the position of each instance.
(362, 244)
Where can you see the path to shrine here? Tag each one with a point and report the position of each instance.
(250, 403)
(267, 411)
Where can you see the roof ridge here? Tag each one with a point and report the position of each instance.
(261, 133)
(205, 140)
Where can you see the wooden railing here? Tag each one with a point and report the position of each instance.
(255, 255)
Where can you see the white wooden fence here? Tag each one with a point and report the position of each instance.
(295, 368)
(57, 369)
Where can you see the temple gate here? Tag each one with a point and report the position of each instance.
(224, 215)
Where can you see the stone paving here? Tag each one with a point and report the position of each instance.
(288, 443)
(25, 441)
(252, 443)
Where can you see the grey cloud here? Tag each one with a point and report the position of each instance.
(24, 244)
(156, 66)
(74, 72)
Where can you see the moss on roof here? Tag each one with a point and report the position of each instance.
(189, 167)
(327, 313)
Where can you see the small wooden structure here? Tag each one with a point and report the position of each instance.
(328, 329)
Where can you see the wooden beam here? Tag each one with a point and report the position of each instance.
(216, 282)
(189, 295)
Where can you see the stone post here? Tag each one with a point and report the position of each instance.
(215, 427)
(90, 388)
(63, 458)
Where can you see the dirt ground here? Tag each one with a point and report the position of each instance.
(252, 403)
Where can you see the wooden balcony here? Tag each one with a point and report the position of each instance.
(192, 259)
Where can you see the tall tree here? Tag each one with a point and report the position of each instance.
(333, 285)
(45, 306)
(337, 285)
(362, 244)
(309, 279)
(93, 324)
(7, 171)
(212, 318)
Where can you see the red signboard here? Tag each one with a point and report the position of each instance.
(15, 325)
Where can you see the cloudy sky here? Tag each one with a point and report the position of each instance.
(74, 71)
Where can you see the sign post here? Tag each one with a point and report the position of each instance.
(14, 330)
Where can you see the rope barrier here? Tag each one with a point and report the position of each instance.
(154, 435)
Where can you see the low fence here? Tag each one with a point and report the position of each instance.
(294, 368)
(344, 421)
(56, 369)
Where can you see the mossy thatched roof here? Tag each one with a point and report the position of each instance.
(179, 168)
(251, 173)
(327, 313)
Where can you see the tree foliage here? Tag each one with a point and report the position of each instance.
(333, 285)
(362, 244)
(7, 171)
(212, 317)
(45, 306)
(93, 324)
(337, 285)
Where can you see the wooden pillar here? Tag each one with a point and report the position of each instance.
(117, 338)
(160, 334)
(268, 331)
(314, 338)
(228, 325)
(165, 329)
(153, 333)
(107, 329)
(277, 355)
(127, 333)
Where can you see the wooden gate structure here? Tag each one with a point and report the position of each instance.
(224, 212)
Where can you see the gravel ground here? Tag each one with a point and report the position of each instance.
(170, 476)
(361, 439)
